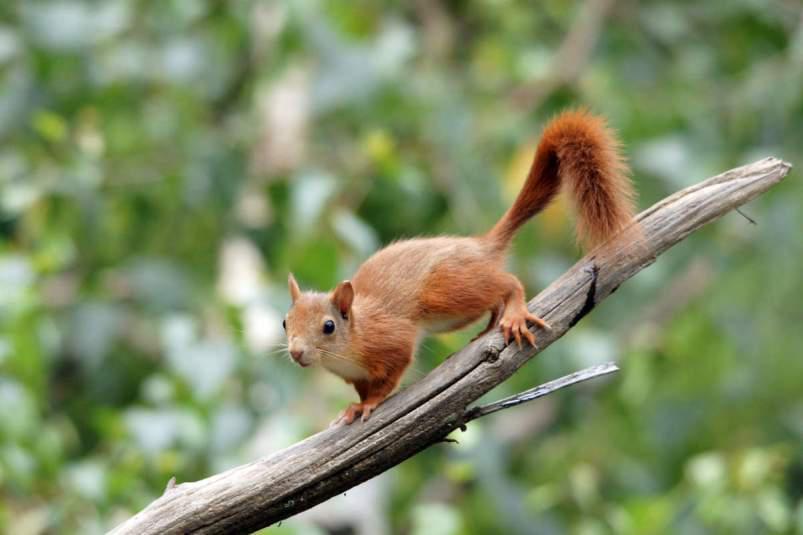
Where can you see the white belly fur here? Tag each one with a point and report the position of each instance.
(343, 367)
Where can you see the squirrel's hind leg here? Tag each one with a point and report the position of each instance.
(515, 316)
(492, 321)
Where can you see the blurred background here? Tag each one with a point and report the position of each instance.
(163, 165)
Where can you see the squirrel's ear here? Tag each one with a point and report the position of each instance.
(342, 298)
(295, 291)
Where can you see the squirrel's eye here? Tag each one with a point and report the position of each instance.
(284, 324)
(328, 327)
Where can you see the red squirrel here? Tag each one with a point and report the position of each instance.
(366, 330)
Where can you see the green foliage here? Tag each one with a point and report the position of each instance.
(163, 165)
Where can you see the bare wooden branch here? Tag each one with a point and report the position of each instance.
(265, 491)
(541, 390)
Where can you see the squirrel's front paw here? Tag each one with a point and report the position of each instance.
(354, 410)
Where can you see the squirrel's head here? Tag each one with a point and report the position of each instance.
(318, 325)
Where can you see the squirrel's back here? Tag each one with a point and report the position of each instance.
(433, 280)
(397, 274)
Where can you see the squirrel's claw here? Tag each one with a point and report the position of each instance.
(350, 414)
(532, 318)
(530, 337)
(367, 409)
(514, 324)
(505, 332)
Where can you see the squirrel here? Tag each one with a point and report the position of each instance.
(366, 329)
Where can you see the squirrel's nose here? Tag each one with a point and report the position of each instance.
(297, 354)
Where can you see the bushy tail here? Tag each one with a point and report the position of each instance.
(580, 149)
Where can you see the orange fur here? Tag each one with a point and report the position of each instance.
(578, 148)
(445, 283)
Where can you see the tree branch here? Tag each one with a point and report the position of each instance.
(265, 491)
(541, 390)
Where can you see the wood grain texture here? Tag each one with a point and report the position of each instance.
(265, 491)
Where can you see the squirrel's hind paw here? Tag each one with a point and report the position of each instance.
(514, 324)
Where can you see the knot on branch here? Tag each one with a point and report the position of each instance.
(591, 295)
(490, 354)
